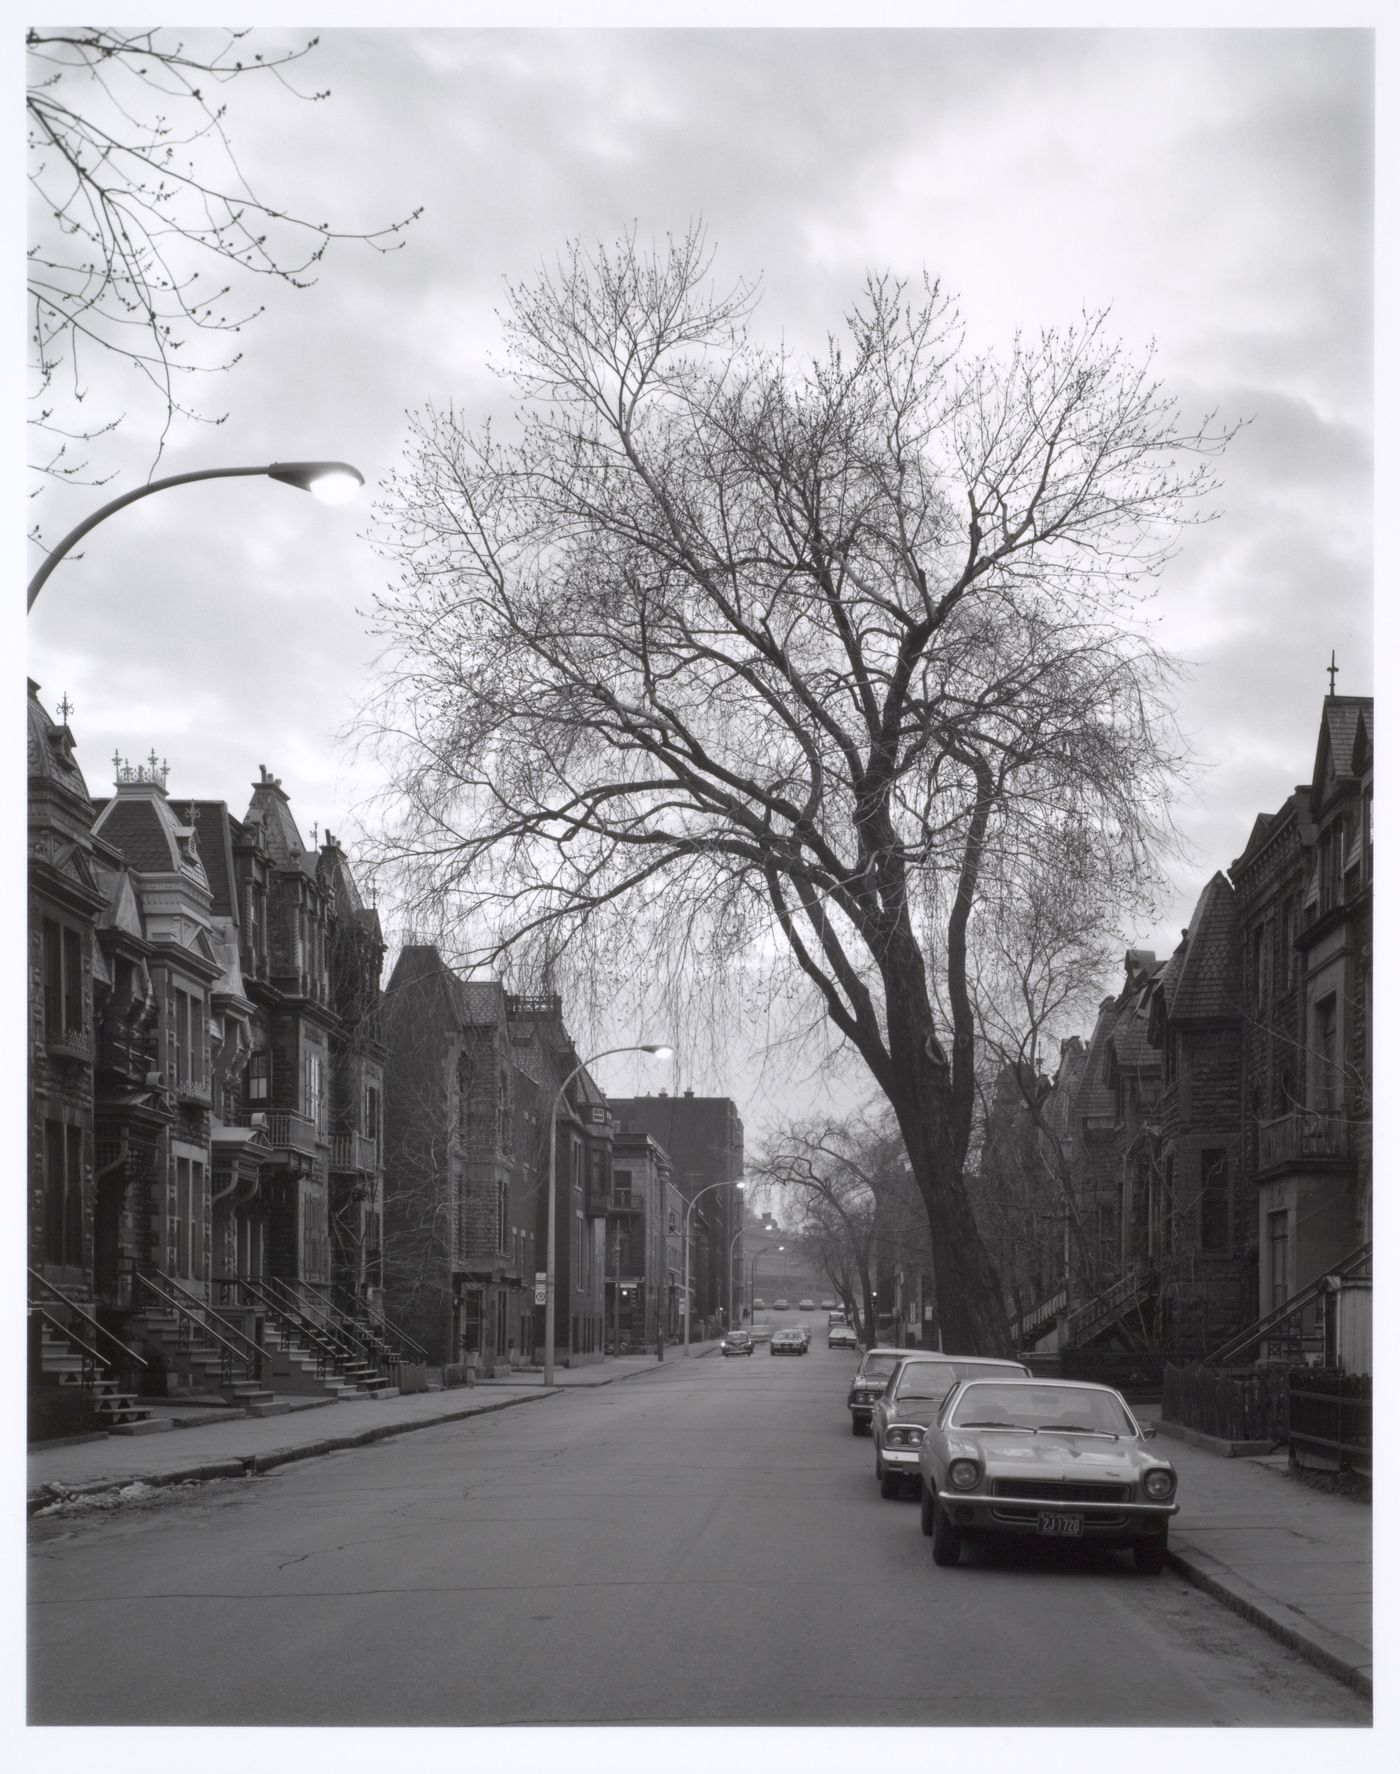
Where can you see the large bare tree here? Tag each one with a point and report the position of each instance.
(724, 659)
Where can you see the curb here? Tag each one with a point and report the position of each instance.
(1215, 1444)
(1324, 1650)
(249, 1465)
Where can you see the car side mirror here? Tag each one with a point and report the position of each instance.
(1150, 1434)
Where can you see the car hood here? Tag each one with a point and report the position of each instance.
(1052, 1454)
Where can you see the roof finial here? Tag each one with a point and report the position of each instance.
(1332, 675)
(65, 708)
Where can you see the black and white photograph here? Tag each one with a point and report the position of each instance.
(700, 688)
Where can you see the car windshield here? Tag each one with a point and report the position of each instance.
(1069, 1409)
(878, 1367)
(936, 1379)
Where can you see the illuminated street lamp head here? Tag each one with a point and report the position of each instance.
(662, 1052)
(333, 483)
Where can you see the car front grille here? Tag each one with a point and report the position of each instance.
(1049, 1490)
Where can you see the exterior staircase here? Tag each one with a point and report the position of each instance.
(310, 1347)
(210, 1356)
(62, 1359)
(1107, 1309)
(1295, 1331)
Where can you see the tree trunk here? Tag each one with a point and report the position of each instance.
(972, 1313)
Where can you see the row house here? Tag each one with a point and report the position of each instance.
(474, 1075)
(1217, 1129)
(704, 1138)
(204, 1087)
(644, 1257)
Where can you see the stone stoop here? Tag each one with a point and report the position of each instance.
(116, 1412)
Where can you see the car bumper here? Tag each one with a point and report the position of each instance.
(900, 1459)
(1121, 1523)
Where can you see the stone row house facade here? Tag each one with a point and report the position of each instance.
(1207, 1151)
(473, 1074)
(205, 1093)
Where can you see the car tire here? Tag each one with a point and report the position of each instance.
(1149, 1556)
(925, 1509)
(947, 1540)
(890, 1483)
(879, 1468)
(856, 1427)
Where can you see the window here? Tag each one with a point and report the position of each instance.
(189, 1038)
(1278, 1258)
(315, 1100)
(187, 1230)
(622, 1187)
(1325, 1092)
(502, 1223)
(63, 1194)
(372, 1114)
(63, 980)
(1215, 1200)
(257, 1081)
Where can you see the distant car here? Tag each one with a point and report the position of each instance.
(837, 1317)
(806, 1336)
(1044, 1459)
(840, 1336)
(912, 1398)
(780, 1305)
(758, 1305)
(828, 1305)
(787, 1342)
(875, 1368)
(806, 1305)
(737, 1343)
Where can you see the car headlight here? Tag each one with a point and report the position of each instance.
(964, 1474)
(1159, 1483)
(905, 1438)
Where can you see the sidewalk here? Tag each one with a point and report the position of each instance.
(1295, 1561)
(207, 1444)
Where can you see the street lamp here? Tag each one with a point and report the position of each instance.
(331, 482)
(685, 1273)
(661, 1052)
(765, 1227)
(752, 1266)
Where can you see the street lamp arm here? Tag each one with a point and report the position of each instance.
(305, 475)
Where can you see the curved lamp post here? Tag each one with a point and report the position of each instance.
(685, 1278)
(331, 482)
(732, 1243)
(661, 1052)
(752, 1266)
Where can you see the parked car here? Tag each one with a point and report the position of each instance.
(806, 1337)
(912, 1398)
(806, 1305)
(875, 1368)
(787, 1342)
(840, 1336)
(837, 1317)
(737, 1343)
(828, 1305)
(1044, 1459)
(759, 1305)
(780, 1305)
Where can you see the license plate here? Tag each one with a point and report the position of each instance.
(1063, 1527)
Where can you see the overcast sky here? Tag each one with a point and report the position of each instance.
(1213, 187)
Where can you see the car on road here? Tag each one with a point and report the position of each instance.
(758, 1305)
(787, 1342)
(780, 1305)
(806, 1305)
(806, 1337)
(875, 1368)
(840, 1336)
(1043, 1459)
(737, 1343)
(912, 1398)
(828, 1305)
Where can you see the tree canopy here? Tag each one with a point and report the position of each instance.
(724, 660)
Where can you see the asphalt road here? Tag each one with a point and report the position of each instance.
(704, 1543)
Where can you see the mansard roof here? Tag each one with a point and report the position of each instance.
(1343, 744)
(51, 759)
(213, 824)
(143, 829)
(271, 811)
(1205, 980)
(479, 1001)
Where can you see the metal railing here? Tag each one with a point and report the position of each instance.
(246, 1290)
(354, 1152)
(317, 1313)
(91, 1368)
(1097, 1314)
(393, 1335)
(1038, 1316)
(626, 1201)
(1289, 1314)
(193, 1327)
(76, 1311)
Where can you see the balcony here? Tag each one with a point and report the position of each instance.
(1306, 1139)
(354, 1154)
(286, 1130)
(626, 1201)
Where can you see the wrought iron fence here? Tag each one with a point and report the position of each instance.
(1329, 1418)
(1232, 1404)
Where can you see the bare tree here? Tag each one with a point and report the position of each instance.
(756, 664)
(135, 182)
